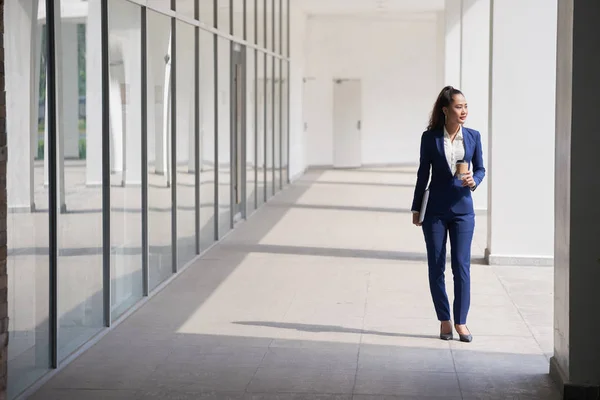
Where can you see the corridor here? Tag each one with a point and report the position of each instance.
(323, 294)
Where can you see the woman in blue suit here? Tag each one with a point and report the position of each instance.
(449, 209)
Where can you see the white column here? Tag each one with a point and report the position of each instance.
(21, 100)
(521, 156)
(298, 144)
(133, 79)
(93, 96)
(475, 62)
(453, 42)
(576, 362)
(70, 90)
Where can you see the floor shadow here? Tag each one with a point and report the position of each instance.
(327, 328)
(335, 252)
(341, 208)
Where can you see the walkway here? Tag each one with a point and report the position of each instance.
(323, 294)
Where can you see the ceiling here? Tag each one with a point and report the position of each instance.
(353, 7)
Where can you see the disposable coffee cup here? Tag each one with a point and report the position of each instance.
(462, 167)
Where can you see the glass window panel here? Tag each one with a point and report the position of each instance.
(269, 124)
(79, 177)
(159, 155)
(238, 18)
(269, 24)
(284, 122)
(186, 8)
(224, 22)
(27, 221)
(251, 6)
(207, 139)
(261, 126)
(159, 4)
(186, 139)
(261, 7)
(277, 26)
(124, 41)
(250, 130)
(206, 10)
(285, 27)
(224, 132)
(277, 125)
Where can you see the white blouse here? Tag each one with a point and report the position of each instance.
(455, 150)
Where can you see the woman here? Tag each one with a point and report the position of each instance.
(449, 209)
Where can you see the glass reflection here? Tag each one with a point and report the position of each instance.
(224, 132)
(186, 8)
(27, 220)
(270, 150)
(250, 131)
(277, 125)
(79, 190)
(159, 148)
(277, 26)
(261, 127)
(224, 22)
(124, 38)
(206, 11)
(160, 4)
(186, 139)
(207, 139)
(238, 17)
(284, 122)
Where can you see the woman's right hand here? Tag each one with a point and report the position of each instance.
(416, 217)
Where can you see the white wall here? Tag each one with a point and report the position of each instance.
(396, 59)
(298, 149)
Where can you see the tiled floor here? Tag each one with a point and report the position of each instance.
(323, 294)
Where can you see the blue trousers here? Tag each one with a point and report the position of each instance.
(436, 229)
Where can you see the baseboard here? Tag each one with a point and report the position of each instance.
(298, 175)
(557, 374)
(526, 261)
(568, 390)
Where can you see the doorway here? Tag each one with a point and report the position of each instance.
(238, 133)
(347, 145)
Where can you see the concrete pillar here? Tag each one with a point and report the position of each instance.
(22, 78)
(453, 42)
(576, 362)
(475, 62)
(93, 95)
(521, 156)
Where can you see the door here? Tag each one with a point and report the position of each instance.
(238, 134)
(347, 144)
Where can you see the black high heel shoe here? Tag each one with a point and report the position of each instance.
(446, 336)
(465, 338)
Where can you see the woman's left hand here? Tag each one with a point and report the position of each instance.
(468, 179)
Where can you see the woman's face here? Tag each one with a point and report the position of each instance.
(457, 112)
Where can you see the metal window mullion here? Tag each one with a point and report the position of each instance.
(174, 142)
(144, 155)
(105, 163)
(289, 84)
(52, 181)
(197, 130)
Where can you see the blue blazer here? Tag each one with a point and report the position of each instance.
(446, 193)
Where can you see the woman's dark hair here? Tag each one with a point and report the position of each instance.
(436, 121)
